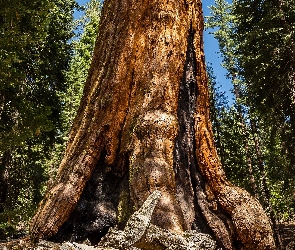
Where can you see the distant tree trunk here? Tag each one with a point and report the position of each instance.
(265, 188)
(291, 143)
(290, 64)
(5, 160)
(143, 125)
(246, 142)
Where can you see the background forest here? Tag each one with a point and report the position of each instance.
(44, 58)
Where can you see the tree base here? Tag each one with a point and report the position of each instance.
(96, 210)
(139, 233)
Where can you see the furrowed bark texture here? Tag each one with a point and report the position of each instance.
(143, 125)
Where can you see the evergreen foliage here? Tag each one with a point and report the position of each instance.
(265, 31)
(229, 135)
(34, 56)
(46, 56)
(256, 46)
(83, 45)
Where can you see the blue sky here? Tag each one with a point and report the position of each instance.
(211, 51)
(212, 54)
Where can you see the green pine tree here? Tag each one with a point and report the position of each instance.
(34, 56)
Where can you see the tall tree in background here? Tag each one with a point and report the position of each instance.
(248, 33)
(257, 38)
(223, 19)
(265, 30)
(143, 125)
(82, 46)
(229, 136)
(34, 56)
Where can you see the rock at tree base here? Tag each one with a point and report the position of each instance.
(139, 233)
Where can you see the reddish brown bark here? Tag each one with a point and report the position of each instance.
(143, 125)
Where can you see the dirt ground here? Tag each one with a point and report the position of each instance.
(287, 231)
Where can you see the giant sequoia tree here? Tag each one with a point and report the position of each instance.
(143, 125)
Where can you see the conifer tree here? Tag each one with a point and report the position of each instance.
(34, 56)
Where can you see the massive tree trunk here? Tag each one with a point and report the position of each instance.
(143, 125)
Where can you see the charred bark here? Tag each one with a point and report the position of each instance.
(143, 125)
(97, 208)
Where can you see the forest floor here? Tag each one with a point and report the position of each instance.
(287, 231)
